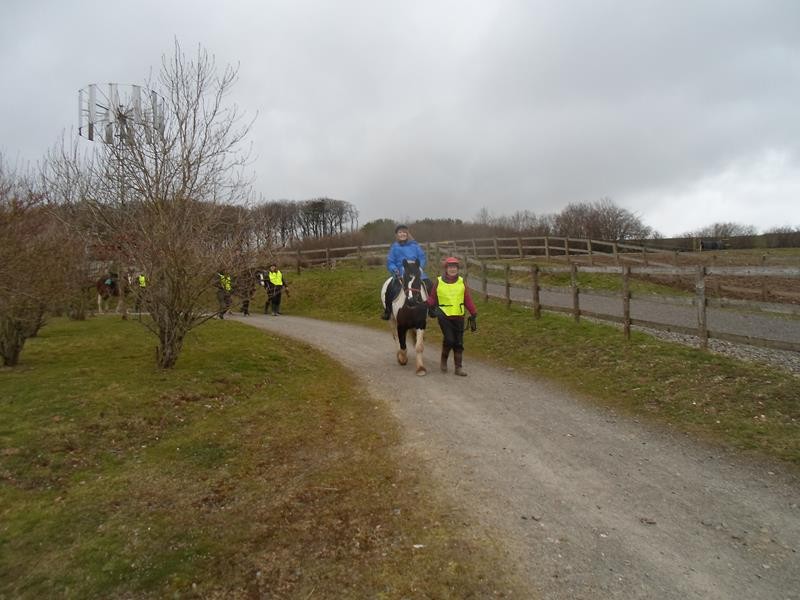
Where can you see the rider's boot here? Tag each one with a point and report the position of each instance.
(387, 305)
(457, 358)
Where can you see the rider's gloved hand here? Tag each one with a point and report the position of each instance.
(432, 312)
(473, 322)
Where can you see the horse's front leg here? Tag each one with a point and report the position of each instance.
(402, 354)
(419, 346)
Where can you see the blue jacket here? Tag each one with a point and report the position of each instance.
(411, 250)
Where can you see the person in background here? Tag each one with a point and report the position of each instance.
(224, 288)
(403, 247)
(447, 301)
(141, 288)
(275, 285)
(244, 287)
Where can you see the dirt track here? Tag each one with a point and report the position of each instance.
(589, 504)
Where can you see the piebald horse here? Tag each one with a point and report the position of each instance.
(409, 312)
(108, 287)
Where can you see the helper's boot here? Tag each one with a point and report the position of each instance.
(445, 355)
(457, 357)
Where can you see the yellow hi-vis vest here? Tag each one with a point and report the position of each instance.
(142, 281)
(276, 278)
(451, 297)
(225, 282)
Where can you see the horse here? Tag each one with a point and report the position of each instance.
(107, 287)
(409, 312)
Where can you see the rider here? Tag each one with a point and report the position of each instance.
(447, 301)
(404, 247)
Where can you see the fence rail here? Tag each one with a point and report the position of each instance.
(629, 260)
(699, 301)
(548, 247)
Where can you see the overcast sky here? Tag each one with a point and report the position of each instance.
(685, 112)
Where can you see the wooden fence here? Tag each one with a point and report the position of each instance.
(549, 247)
(545, 247)
(700, 300)
(628, 261)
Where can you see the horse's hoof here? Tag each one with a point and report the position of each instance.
(402, 358)
(422, 371)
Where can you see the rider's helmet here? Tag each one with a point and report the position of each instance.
(451, 260)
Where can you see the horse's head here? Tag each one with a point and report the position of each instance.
(412, 282)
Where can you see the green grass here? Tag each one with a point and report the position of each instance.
(602, 282)
(254, 468)
(740, 405)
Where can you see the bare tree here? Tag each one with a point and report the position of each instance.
(65, 181)
(161, 199)
(601, 220)
(723, 230)
(33, 250)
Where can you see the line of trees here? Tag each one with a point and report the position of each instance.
(597, 220)
(289, 221)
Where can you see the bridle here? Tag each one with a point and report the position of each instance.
(413, 294)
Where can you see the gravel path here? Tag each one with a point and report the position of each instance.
(588, 504)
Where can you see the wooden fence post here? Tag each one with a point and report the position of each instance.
(537, 307)
(615, 249)
(547, 248)
(484, 282)
(508, 286)
(519, 245)
(702, 313)
(474, 248)
(298, 261)
(328, 258)
(626, 302)
(566, 247)
(360, 259)
(496, 249)
(589, 248)
(576, 309)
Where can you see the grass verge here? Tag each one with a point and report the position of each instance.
(736, 404)
(255, 468)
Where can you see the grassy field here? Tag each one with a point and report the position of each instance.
(255, 468)
(258, 467)
(738, 405)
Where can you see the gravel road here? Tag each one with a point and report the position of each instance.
(723, 320)
(589, 504)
